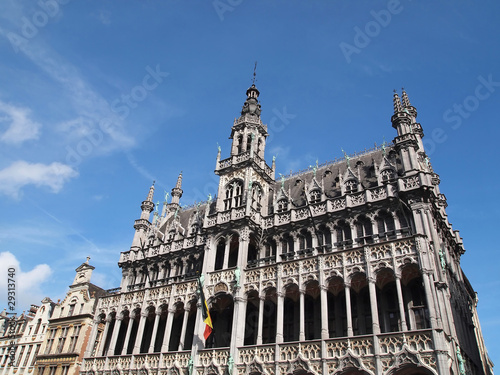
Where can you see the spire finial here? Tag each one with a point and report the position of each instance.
(151, 192)
(397, 103)
(254, 74)
(406, 100)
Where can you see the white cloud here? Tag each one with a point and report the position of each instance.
(28, 284)
(21, 173)
(19, 126)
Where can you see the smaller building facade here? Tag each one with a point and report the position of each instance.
(69, 327)
(32, 334)
(12, 328)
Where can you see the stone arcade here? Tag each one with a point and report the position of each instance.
(350, 267)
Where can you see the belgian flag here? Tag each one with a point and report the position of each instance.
(207, 319)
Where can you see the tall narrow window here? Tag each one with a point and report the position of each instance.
(62, 339)
(74, 338)
(50, 340)
(28, 353)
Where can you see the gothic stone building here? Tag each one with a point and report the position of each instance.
(350, 267)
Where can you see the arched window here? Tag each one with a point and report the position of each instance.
(325, 237)
(239, 144)
(252, 257)
(344, 235)
(162, 323)
(175, 334)
(385, 225)
(233, 251)
(364, 230)
(249, 142)
(291, 314)
(122, 332)
(251, 318)
(221, 312)
(270, 317)
(219, 255)
(133, 332)
(387, 300)
(38, 323)
(234, 195)
(337, 313)
(312, 309)
(360, 305)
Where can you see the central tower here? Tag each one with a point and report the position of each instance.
(245, 178)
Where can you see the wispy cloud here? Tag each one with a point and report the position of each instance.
(21, 173)
(19, 126)
(91, 110)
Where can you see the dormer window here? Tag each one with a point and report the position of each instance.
(387, 175)
(282, 205)
(194, 229)
(351, 186)
(315, 196)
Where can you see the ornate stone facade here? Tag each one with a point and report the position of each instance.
(349, 267)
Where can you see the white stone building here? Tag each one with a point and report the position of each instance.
(348, 267)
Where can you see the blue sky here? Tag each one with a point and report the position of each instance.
(99, 98)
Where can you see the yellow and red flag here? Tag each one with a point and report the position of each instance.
(205, 312)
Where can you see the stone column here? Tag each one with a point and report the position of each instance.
(129, 330)
(302, 334)
(373, 305)
(401, 303)
(183, 330)
(429, 297)
(226, 252)
(93, 336)
(116, 329)
(168, 329)
(348, 309)
(140, 332)
(324, 313)
(105, 335)
(238, 328)
(155, 330)
(279, 317)
(261, 320)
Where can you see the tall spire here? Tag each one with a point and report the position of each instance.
(406, 101)
(177, 191)
(151, 192)
(147, 206)
(397, 103)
